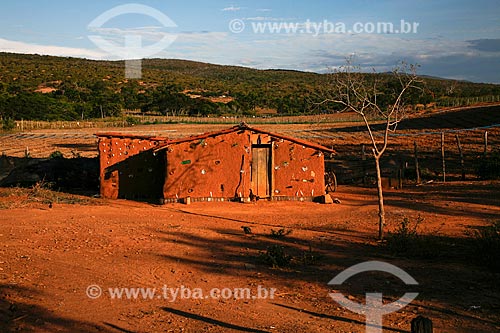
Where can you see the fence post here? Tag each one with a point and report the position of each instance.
(421, 325)
(417, 169)
(485, 143)
(400, 176)
(442, 157)
(461, 156)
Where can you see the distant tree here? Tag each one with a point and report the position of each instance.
(8, 124)
(367, 96)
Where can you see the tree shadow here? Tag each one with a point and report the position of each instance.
(453, 270)
(118, 328)
(332, 231)
(17, 316)
(337, 318)
(212, 321)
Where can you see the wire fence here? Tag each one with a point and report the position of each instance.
(419, 157)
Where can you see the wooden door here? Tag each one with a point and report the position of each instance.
(261, 164)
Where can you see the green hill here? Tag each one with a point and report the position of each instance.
(57, 88)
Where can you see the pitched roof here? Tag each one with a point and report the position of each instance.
(243, 127)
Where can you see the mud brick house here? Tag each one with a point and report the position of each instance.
(236, 163)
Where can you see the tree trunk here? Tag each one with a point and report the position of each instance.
(381, 210)
(442, 157)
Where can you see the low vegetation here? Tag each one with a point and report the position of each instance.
(276, 256)
(42, 194)
(34, 87)
(488, 167)
(407, 241)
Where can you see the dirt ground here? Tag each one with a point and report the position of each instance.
(49, 256)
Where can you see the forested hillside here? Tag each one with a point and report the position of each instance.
(55, 88)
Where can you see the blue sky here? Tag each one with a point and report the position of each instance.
(455, 39)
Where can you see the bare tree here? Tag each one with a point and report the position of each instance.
(379, 99)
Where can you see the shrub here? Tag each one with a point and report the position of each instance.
(131, 121)
(405, 235)
(486, 246)
(275, 256)
(489, 167)
(407, 242)
(8, 124)
(56, 154)
(310, 257)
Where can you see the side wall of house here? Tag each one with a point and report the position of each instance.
(128, 168)
(298, 170)
(221, 166)
(213, 167)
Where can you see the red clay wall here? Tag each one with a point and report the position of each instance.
(212, 167)
(220, 167)
(298, 170)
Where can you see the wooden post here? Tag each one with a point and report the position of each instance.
(417, 169)
(442, 157)
(485, 143)
(400, 172)
(462, 164)
(400, 177)
(421, 325)
(363, 158)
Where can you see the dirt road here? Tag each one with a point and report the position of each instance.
(50, 256)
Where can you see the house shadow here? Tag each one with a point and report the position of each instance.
(140, 177)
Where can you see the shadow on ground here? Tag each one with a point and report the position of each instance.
(71, 175)
(23, 316)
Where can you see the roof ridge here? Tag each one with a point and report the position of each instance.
(239, 127)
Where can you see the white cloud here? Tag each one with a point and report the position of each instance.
(440, 57)
(319, 54)
(149, 33)
(268, 19)
(231, 9)
(266, 10)
(62, 51)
